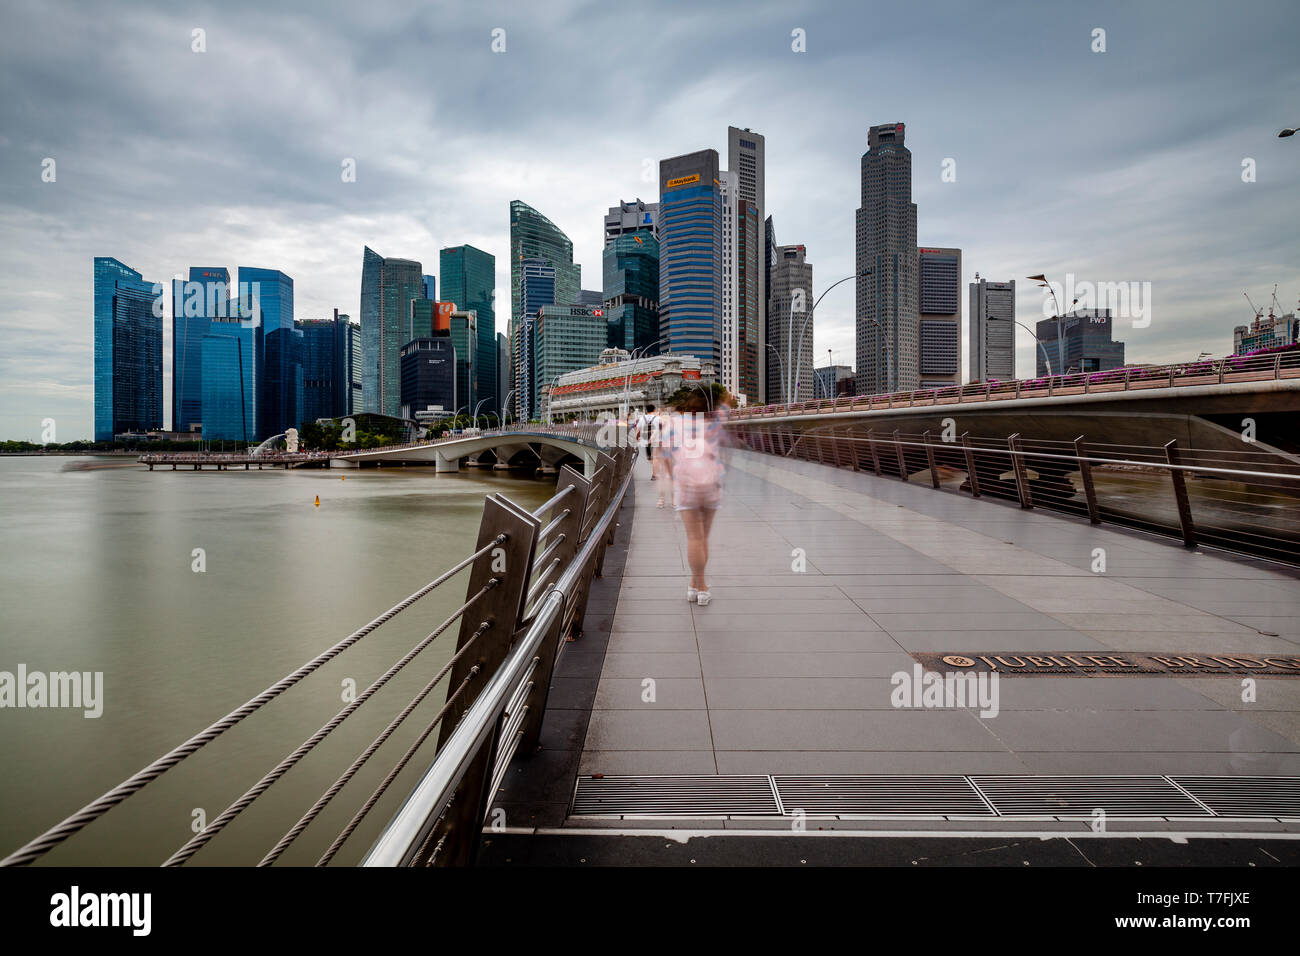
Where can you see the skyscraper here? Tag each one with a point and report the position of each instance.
(280, 399)
(387, 288)
(746, 158)
(431, 288)
(536, 289)
(233, 362)
(429, 375)
(535, 239)
(630, 269)
(635, 216)
(1085, 343)
(469, 278)
(325, 373)
(196, 303)
(691, 254)
(887, 320)
(569, 337)
(992, 330)
(939, 316)
(128, 350)
(462, 327)
(788, 306)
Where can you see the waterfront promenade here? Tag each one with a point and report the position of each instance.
(788, 672)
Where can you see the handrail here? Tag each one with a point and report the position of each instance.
(402, 840)
(1249, 501)
(494, 593)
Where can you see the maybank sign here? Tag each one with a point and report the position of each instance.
(682, 181)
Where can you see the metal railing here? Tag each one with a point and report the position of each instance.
(1246, 501)
(1233, 369)
(527, 586)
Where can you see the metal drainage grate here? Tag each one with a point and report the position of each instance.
(871, 795)
(696, 796)
(1245, 796)
(1120, 796)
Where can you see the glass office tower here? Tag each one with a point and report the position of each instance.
(387, 288)
(690, 255)
(280, 399)
(536, 289)
(232, 363)
(195, 303)
(630, 272)
(469, 278)
(325, 381)
(128, 350)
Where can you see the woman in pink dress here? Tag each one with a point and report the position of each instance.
(692, 453)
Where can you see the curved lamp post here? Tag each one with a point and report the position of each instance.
(808, 319)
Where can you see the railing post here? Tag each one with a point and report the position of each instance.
(902, 462)
(1022, 475)
(509, 565)
(929, 458)
(1085, 475)
(854, 457)
(875, 453)
(971, 476)
(570, 526)
(1180, 494)
(836, 449)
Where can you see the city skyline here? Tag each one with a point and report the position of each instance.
(1085, 171)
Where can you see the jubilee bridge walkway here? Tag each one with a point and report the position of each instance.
(679, 733)
(1129, 695)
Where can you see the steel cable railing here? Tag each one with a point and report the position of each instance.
(557, 553)
(495, 721)
(38, 847)
(201, 839)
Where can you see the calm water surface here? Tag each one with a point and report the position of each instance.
(97, 572)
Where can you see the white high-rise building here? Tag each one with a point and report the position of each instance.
(728, 369)
(745, 158)
(992, 331)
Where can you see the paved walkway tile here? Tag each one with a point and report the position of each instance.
(824, 582)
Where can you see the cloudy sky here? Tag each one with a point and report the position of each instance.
(1117, 166)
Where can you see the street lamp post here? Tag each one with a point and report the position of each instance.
(505, 407)
(1060, 342)
(808, 317)
(627, 379)
(1046, 361)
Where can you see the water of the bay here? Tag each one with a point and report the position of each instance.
(101, 574)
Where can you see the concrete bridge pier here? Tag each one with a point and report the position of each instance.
(445, 463)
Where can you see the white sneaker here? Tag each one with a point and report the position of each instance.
(703, 597)
(691, 594)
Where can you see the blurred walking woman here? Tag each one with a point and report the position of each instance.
(692, 451)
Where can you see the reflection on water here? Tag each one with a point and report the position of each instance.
(99, 575)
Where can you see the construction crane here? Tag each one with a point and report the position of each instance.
(1259, 313)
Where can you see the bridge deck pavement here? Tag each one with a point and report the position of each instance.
(789, 672)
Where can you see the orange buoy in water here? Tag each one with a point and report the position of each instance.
(318, 501)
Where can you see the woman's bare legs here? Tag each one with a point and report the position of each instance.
(697, 522)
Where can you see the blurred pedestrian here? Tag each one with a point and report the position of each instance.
(691, 448)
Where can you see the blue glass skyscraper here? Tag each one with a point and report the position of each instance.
(232, 363)
(469, 278)
(537, 277)
(325, 370)
(128, 350)
(279, 400)
(195, 304)
(691, 255)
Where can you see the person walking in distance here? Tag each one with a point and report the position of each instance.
(649, 432)
(692, 451)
